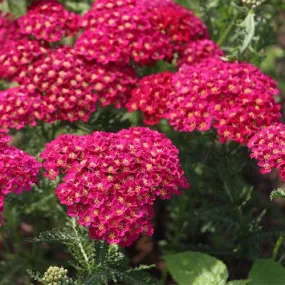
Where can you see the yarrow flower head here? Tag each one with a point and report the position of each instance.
(49, 21)
(197, 51)
(236, 97)
(119, 35)
(267, 147)
(70, 86)
(152, 97)
(112, 179)
(17, 55)
(64, 84)
(18, 108)
(18, 170)
(9, 29)
(180, 25)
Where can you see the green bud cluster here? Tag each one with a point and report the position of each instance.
(55, 276)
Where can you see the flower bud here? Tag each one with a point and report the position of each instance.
(55, 276)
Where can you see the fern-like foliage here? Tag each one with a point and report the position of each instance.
(95, 262)
(112, 265)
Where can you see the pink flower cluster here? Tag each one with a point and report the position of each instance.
(70, 87)
(112, 83)
(234, 98)
(58, 86)
(112, 179)
(9, 29)
(18, 170)
(124, 31)
(121, 36)
(64, 83)
(16, 56)
(152, 97)
(197, 51)
(18, 108)
(48, 20)
(180, 25)
(108, 4)
(267, 147)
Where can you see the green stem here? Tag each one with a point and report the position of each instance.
(181, 213)
(227, 31)
(164, 275)
(81, 248)
(277, 246)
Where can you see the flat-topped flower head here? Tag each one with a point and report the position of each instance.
(112, 179)
(152, 97)
(49, 21)
(18, 170)
(70, 86)
(18, 108)
(197, 51)
(121, 35)
(17, 56)
(63, 81)
(237, 97)
(180, 25)
(267, 147)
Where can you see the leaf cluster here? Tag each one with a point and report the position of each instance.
(95, 262)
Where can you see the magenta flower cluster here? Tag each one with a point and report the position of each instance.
(234, 98)
(111, 180)
(48, 20)
(124, 31)
(18, 171)
(267, 147)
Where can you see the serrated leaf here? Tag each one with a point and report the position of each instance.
(267, 271)
(239, 282)
(196, 268)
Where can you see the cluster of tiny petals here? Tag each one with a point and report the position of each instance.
(18, 108)
(180, 25)
(9, 29)
(49, 21)
(18, 170)
(152, 96)
(15, 57)
(113, 4)
(62, 80)
(121, 34)
(112, 179)
(267, 147)
(197, 51)
(118, 31)
(236, 97)
(112, 83)
(71, 86)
